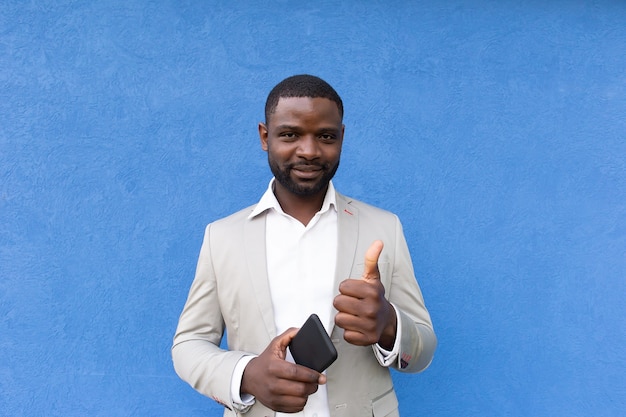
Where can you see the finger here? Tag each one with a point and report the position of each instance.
(370, 270)
(298, 373)
(285, 402)
(357, 288)
(346, 304)
(360, 324)
(359, 304)
(357, 338)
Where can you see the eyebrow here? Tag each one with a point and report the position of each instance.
(291, 127)
(287, 127)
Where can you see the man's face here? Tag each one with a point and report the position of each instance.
(303, 139)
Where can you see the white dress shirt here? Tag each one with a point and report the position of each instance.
(301, 263)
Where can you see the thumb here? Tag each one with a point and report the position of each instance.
(370, 270)
(281, 342)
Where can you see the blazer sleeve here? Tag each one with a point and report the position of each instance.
(418, 341)
(196, 353)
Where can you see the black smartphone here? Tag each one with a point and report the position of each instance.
(312, 347)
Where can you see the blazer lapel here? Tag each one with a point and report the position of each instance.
(255, 253)
(347, 237)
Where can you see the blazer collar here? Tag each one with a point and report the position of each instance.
(268, 200)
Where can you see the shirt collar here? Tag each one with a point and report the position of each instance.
(268, 201)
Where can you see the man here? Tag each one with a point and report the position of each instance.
(304, 248)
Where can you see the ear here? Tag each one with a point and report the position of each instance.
(263, 136)
(343, 130)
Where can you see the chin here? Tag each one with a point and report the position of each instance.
(305, 189)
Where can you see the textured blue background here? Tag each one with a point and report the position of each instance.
(496, 130)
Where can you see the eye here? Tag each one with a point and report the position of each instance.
(327, 137)
(287, 135)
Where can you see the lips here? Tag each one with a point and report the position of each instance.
(307, 171)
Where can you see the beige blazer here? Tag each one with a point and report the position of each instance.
(231, 293)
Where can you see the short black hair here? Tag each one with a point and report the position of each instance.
(302, 85)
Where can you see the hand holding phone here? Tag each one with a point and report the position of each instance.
(312, 347)
(276, 383)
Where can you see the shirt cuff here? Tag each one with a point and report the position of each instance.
(241, 403)
(386, 357)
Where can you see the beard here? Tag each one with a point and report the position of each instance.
(309, 188)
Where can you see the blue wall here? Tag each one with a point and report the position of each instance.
(495, 129)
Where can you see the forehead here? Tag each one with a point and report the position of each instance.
(290, 110)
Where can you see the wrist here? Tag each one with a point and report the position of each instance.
(239, 391)
(388, 336)
(246, 385)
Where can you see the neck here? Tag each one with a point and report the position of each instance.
(301, 208)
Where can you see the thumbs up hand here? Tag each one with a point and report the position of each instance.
(363, 311)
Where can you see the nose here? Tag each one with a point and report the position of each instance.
(308, 147)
